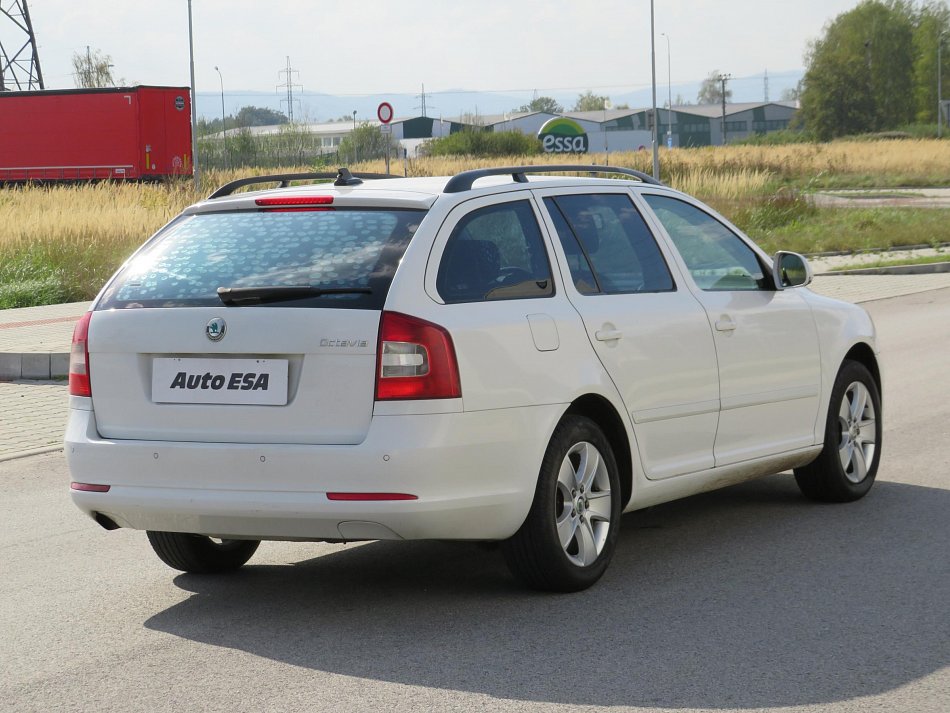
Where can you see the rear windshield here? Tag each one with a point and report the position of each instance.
(335, 250)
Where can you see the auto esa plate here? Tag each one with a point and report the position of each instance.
(219, 381)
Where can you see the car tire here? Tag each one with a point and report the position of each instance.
(569, 535)
(198, 554)
(847, 465)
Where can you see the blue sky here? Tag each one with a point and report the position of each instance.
(381, 47)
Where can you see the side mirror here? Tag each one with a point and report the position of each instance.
(790, 270)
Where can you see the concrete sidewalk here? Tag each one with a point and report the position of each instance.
(34, 353)
(34, 341)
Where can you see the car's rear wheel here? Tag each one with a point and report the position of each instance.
(198, 554)
(569, 536)
(847, 465)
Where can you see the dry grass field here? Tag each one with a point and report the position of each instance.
(61, 243)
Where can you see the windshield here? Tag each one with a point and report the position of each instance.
(342, 258)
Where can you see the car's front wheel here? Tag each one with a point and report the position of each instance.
(569, 536)
(198, 554)
(847, 465)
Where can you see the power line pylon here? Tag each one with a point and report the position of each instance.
(19, 60)
(289, 86)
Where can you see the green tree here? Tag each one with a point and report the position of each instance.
(933, 19)
(546, 104)
(243, 147)
(92, 69)
(860, 73)
(845, 106)
(710, 91)
(588, 101)
(257, 116)
(366, 143)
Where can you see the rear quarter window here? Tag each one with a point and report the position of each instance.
(334, 249)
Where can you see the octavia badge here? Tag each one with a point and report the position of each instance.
(216, 329)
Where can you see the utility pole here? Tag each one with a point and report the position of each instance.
(940, 85)
(669, 89)
(766, 86)
(289, 86)
(224, 123)
(194, 109)
(723, 78)
(656, 148)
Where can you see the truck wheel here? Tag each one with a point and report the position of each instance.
(198, 554)
(569, 536)
(846, 467)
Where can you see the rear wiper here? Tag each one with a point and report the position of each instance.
(279, 293)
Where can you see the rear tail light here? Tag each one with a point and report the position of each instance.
(415, 360)
(79, 359)
(296, 203)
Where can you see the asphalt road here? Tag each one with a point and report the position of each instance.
(744, 599)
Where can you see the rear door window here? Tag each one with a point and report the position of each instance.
(350, 253)
(609, 248)
(495, 253)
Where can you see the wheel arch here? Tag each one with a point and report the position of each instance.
(602, 412)
(864, 355)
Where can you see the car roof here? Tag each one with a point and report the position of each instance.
(412, 192)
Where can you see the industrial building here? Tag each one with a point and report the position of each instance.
(607, 130)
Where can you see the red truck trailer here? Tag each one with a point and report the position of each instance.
(124, 133)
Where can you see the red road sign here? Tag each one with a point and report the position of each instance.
(385, 112)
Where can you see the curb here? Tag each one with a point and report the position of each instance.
(931, 268)
(33, 365)
(869, 251)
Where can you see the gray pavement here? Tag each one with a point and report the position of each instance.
(32, 417)
(745, 599)
(883, 198)
(34, 348)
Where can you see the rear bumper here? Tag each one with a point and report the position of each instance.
(474, 476)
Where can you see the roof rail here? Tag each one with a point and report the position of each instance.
(463, 181)
(343, 178)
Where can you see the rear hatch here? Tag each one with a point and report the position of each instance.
(248, 326)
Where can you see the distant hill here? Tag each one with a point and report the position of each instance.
(316, 107)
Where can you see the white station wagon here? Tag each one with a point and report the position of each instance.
(496, 356)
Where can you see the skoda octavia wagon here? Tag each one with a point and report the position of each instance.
(502, 355)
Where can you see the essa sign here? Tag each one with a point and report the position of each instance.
(562, 135)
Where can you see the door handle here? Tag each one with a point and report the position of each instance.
(725, 324)
(608, 335)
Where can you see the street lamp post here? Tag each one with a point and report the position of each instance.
(669, 89)
(194, 110)
(224, 125)
(940, 84)
(656, 150)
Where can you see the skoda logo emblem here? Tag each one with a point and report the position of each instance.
(216, 329)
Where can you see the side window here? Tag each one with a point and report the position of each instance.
(608, 246)
(715, 256)
(495, 253)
